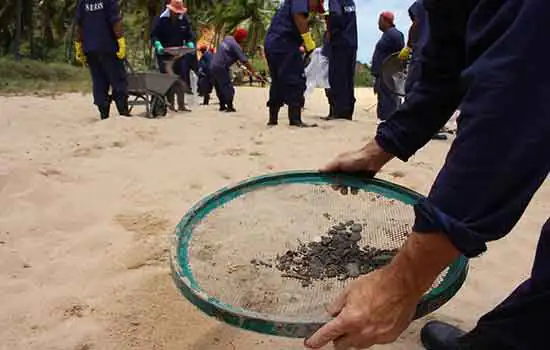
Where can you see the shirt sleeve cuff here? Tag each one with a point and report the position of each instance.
(386, 139)
(429, 219)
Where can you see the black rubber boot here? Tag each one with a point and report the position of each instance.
(437, 335)
(295, 118)
(223, 107)
(206, 100)
(104, 111)
(122, 107)
(273, 115)
(230, 108)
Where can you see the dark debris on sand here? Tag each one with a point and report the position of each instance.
(337, 255)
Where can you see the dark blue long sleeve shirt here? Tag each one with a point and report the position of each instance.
(172, 31)
(392, 41)
(489, 57)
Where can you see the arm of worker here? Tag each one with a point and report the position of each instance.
(155, 37)
(300, 10)
(78, 44)
(245, 62)
(115, 19)
(437, 94)
(190, 36)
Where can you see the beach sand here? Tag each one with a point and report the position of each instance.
(87, 208)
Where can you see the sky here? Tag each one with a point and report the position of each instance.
(367, 22)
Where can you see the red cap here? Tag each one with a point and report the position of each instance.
(320, 8)
(240, 34)
(389, 16)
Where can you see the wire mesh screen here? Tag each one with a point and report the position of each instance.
(288, 250)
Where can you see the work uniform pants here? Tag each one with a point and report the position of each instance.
(342, 61)
(288, 81)
(107, 71)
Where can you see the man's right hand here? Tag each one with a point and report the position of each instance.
(158, 47)
(369, 159)
(79, 52)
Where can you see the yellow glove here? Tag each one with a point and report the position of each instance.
(309, 44)
(121, 53)
(79, 52)
(405, 53)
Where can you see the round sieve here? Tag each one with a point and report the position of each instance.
(270, 253)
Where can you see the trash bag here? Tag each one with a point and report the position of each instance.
(317, 72)
(193, 98)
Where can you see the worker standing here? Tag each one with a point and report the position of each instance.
(289, 29)
(173, 29)
(342, 26)
(227, 54)
(392, 41)
(101, 44)
(205, 77)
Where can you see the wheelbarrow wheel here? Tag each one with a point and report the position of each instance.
(158, 107)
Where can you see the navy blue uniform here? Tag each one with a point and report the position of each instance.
(392, 41)
(285, 61)
(478, 56)
(173, 31)
(228, 53)
(342, 26)
(205, 77)
(96, 19)
(419, 15)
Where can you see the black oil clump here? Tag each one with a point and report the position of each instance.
(337, 255)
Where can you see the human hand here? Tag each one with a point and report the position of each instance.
(158, 47)
(190, 45)
(79, 52)
(369, 159)
(374, 309)
(405, 53)
(309, 43)
(121, 53)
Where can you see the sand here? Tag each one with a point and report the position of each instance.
(87, 207)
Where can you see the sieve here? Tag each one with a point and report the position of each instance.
(394, 74)
(225, 249)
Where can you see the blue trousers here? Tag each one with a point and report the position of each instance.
(387, 101)
(107, 72)
(342, 79)
(225, 91)
(288, 81)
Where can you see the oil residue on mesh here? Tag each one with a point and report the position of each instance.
(335, 255)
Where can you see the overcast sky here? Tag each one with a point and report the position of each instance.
(367, 22)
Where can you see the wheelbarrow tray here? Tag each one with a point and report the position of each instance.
(140, 83)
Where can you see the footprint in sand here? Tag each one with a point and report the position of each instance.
(234, 152)
(398, 174)
(87, 151)
(144, 224)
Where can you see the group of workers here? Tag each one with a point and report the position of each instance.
(101, 44)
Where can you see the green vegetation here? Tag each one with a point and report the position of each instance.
(45, 38)
(29, 76)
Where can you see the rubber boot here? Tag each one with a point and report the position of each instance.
(273, 115)
(104, 111)
(437, 335)
(122, 107)
(295, 118)
(230, 108)
(206, 100)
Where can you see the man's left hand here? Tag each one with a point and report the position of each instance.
(121, 53)
(374, 309)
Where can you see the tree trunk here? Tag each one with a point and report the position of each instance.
(18, 28)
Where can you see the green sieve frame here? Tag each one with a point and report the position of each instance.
(261, 323)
